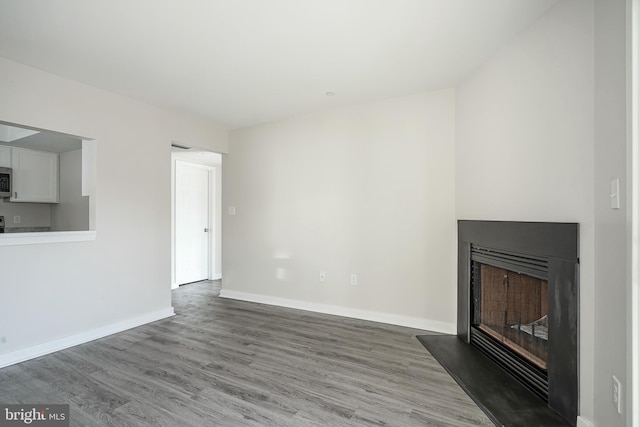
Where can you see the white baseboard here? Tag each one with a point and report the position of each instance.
(38, 350)
(392, 319)
(216, 276)
(583, 422)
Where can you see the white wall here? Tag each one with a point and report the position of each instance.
(610, 225)
(366, 190)
(525, 144)
(56, 291)
(72, 211)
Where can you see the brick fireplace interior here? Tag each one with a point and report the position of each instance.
(513, 309)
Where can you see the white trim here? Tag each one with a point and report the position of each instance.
(12, 239)
(90, 176)
(38, 350)
(216, 276)
(392, 319)
(633, 212)
(583, 422)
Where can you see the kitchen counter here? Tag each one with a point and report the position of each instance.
(11, 237)
(27, 229)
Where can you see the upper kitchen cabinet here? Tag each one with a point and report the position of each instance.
(35, 176)
(5, 157)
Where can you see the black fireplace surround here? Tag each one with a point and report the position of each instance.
(548, 251)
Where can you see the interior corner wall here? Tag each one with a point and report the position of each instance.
(72, 291)
(366, 190)
(525, 144)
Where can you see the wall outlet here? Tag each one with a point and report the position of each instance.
(17, 219)
(354, 279)
(616, 396)
(323, 276)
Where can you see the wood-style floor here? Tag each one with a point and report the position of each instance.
(220, 362)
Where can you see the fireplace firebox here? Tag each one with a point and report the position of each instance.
(513, 309)
(518, 303)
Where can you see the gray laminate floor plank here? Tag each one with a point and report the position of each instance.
(221, 362)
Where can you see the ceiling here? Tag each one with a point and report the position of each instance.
(43, 140)
(243, 62)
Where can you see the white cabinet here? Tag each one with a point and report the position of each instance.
(5, 156)
(35, 176)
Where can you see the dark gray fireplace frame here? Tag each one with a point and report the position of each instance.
(558, 244)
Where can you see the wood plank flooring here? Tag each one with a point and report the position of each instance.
(221, 362)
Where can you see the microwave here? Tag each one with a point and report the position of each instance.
(5, 182)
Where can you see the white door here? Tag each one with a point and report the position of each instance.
(192, 222)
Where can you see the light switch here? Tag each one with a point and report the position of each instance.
(17, 219)
(232, 210)
(614, 195)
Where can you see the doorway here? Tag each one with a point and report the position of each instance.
(196, 200)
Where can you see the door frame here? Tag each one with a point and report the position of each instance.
(632, 402)
(214, 214)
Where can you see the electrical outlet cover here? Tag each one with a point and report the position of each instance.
(617, 394)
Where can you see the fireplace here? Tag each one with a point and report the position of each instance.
(517, 303)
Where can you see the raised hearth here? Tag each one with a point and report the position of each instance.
(505, 400)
